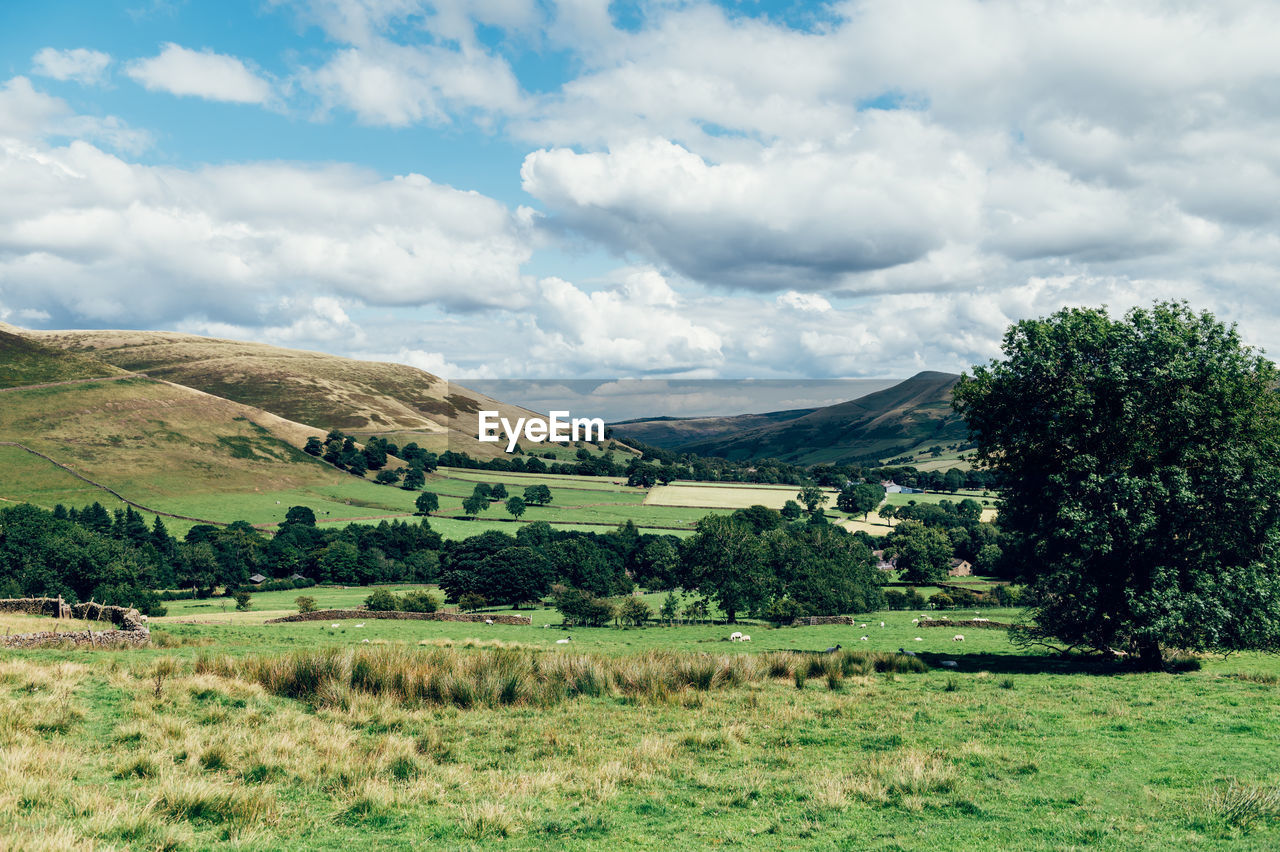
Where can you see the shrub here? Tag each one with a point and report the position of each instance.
(381, 601)
(243, 602)
(419, 601)
(634, 612)
(305, 603)
(580, 608)
(942, 600)
(470, 602)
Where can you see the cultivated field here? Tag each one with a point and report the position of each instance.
(636, 738)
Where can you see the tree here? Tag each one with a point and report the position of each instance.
(725, 561)
(515, 506)
(314, 447)
(1140, 476)
(537, 495)
(470, 602)
(515, 575)
(305, 603)
(670, 607)
(381, 601)
(923, 553)
(791, 510)
(859, 499)
(426, 503)
(580, 608)
(414, 479)
(475, 504)
(387, 476)
(243, 603)
(812, 498)
(634, 612)
(888, 512)
(300, 515)
(498, 492)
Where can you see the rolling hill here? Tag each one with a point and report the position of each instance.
(362, 398)
(886, 423)
(24, 361)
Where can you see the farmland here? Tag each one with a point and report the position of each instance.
(1011, 749)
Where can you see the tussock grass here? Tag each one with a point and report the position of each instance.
(507, 676)
(1241, 805)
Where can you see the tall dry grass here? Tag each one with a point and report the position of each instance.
(500, 677)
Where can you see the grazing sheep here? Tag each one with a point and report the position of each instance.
(862, 625)
(361, 624)
(488, 621)
(745, 638)
(564, 641)
(862, 639)
(951, 664)
(957, 638)
(735, 636)
(904, 652)
(832, 649)
(917, 639)
(882, 624)
(915, 621)
(364, 640)
(335, 626)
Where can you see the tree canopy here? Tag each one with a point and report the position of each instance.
(1140, 462)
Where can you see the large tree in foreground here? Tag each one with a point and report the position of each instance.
(1141, 465)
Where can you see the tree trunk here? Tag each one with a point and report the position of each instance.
(1150, 658)
(730, 613)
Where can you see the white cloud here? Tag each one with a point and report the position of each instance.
(810, 303)
(78, 64)
(27, 114)
(90, 237)
(200, 73)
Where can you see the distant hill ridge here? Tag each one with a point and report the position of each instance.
(885, 423)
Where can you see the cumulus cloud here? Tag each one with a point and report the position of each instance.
(200, 73)
(91, 237)
(27, 114)
(78, 64)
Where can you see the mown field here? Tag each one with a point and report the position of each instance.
(533, 745)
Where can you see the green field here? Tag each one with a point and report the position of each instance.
(1009, 750)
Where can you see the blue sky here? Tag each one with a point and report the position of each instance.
(691, 190)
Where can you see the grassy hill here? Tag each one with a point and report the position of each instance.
(24, 361)
(890, 422)
(326, 391)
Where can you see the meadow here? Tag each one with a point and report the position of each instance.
(625, 738)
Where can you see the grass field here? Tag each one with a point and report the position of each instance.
(1010, 750)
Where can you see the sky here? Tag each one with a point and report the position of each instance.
(671, 190)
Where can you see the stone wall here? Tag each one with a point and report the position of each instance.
(815, 620)
(50, 607)
(981, 624)
(132, 625)
(339, 614)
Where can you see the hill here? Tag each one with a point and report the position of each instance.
(24, 361)
(362, 398)
(886, 423)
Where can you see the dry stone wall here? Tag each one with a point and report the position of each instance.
(131, 625)
(339, 614)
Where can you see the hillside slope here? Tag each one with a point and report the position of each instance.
(24, 361)
(882, 424)
(326, 391)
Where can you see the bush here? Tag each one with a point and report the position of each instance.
(784, 611)
(381, 601)
(242, 601)
(470, 602)
(894, 599)
(942, 600)
(305, 604)
(634, 612)
(581, 608)
(419, 601)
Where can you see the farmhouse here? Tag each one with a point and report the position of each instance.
(257, 578)
(960, 568)
(882, 563)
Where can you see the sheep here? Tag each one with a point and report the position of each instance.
(832, 649)
(917, 639)
(564, 641)
(745, 638)
(334, 626)
(364, 640)
(882, 624)
(957, 638)
(915, 621)
(904, 652)
(735, 636)
(862, 639)
(488, 621)
(361, 624)
(951, 664)
(862, 625)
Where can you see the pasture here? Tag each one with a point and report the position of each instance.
(192, 744)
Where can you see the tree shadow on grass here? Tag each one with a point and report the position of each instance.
(1058, 664)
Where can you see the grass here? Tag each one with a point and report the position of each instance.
(641, 736)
